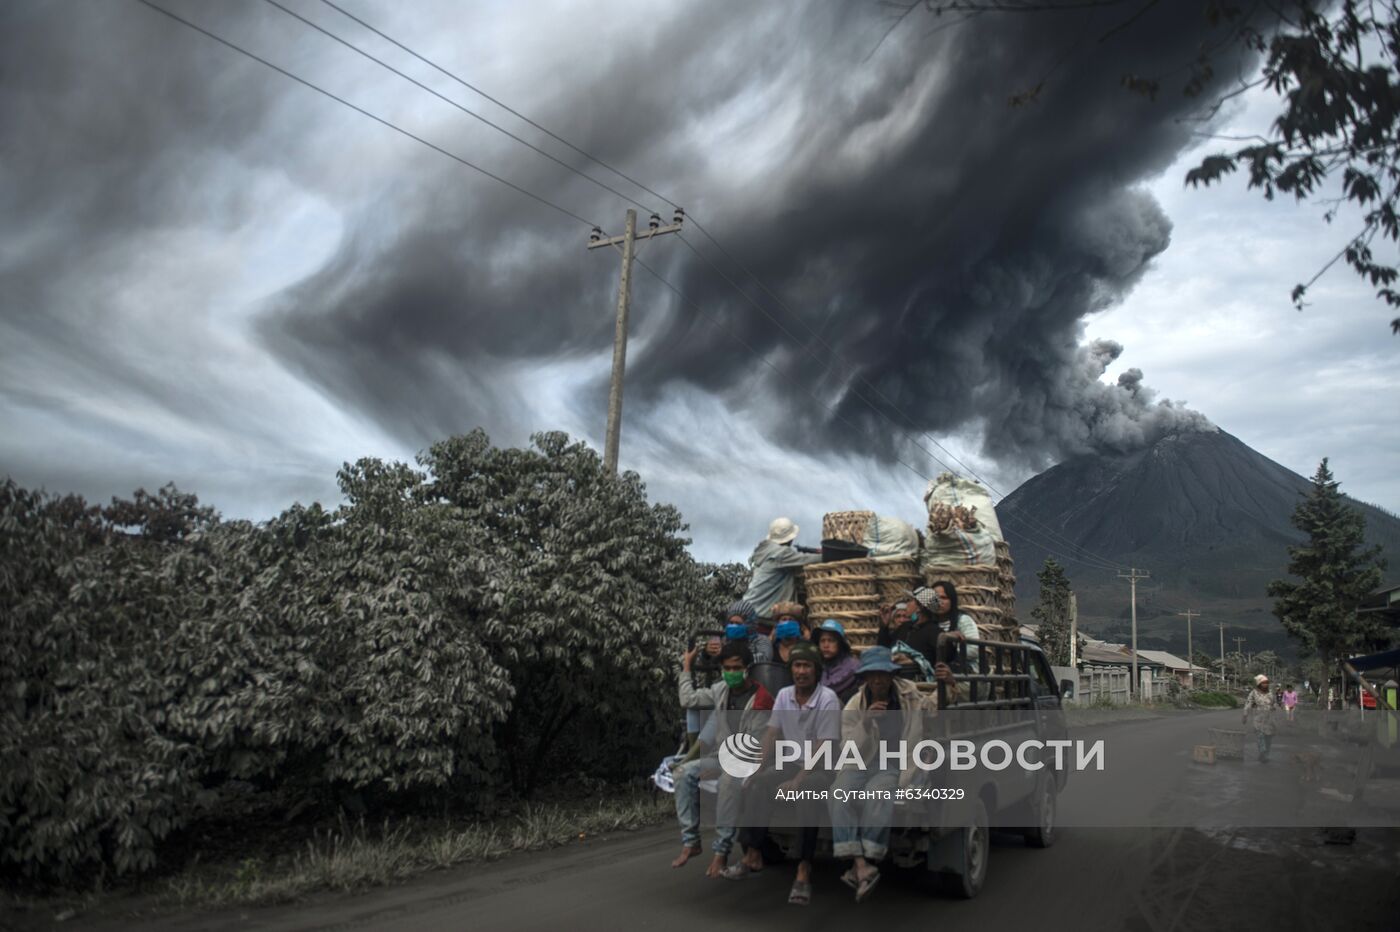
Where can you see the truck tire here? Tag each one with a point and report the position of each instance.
(964, 861)
(1043, 808)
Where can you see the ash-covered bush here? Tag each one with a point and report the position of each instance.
(470, 625)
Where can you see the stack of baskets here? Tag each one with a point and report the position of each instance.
(986, 593)
(848, 591)
(846, 525)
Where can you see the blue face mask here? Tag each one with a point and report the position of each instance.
(913, 616)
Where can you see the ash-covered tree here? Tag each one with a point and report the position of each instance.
(1333, 574)
(1052, 612)
(593, 593)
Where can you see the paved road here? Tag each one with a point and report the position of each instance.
(1093, 878)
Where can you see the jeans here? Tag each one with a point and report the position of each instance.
(861, 828)
(687, 780)
(758, 807)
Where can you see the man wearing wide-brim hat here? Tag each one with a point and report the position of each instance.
(774, 566)
(888, 708)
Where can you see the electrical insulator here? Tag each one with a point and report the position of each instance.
(655, 221)
(680, 216)
(596, 235)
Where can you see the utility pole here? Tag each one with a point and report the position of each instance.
(1133, 576)
(1239, 652)
(1074, 630)
(1222, 654)
(1190, 659)
(627, 241)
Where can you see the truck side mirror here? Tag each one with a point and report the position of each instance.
(1066, 689)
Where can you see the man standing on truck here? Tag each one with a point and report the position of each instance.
(774, 566)
(810, 714)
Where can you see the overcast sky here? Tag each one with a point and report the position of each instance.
(213, 275)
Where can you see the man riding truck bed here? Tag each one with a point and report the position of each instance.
(774, 565)
(739, 704)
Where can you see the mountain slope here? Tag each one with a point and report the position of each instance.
(1206, 515)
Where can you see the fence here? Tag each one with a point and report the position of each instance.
(1099, 684)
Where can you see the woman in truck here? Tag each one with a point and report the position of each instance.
(838, 664)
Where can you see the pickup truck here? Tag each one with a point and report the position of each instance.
(1012, 689)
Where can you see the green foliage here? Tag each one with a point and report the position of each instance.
(1052, 613)
(458, 629)
(1335, 574)
(1214, 700)
(1334, 67)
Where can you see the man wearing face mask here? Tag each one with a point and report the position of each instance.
(739, 704)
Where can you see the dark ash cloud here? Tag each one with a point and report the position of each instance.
(947, 245)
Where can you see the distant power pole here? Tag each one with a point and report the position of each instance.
(627, 241)
(1239, 652)
(1190, 659)
(1133, 576)
(1074, 630)
(1222, 654)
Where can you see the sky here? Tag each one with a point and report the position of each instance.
(213, 275)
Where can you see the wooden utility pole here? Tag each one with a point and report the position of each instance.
(1222, 654)
(1190, 660)
(1239, 652)
(1074, 630)
(1133, 576)
(627, 241)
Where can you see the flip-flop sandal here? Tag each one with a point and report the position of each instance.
(800, 894)
(867, 885)
(739, 871)
(850, 879)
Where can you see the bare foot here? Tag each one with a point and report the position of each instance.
(717, 866)
(685, 855)
(753, 859)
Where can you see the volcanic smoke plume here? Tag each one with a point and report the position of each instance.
(934, 249)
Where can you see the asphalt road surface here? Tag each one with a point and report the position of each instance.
(1093, 878)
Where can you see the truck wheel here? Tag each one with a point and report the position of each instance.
(1043, 811)
(966, 858)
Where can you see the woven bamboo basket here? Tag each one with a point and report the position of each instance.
(838, 587)
(896, 566)
(814, 572)
(897, 588)
(961, 576)
(978, 595)
(843, 603)
(854, 621)
(846, 525)
(862, 639)
(983, 614)
(1002, 633)
(1003, 550)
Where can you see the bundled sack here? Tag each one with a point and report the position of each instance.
(890, 537)
(956, 539)
(972, 498)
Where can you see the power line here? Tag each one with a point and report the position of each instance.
(469, 112)
(519, 189)
(516, 113)
(358, 109)
(1088, 557)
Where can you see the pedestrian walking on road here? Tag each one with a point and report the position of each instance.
(1260, 702)
(1290, 700)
